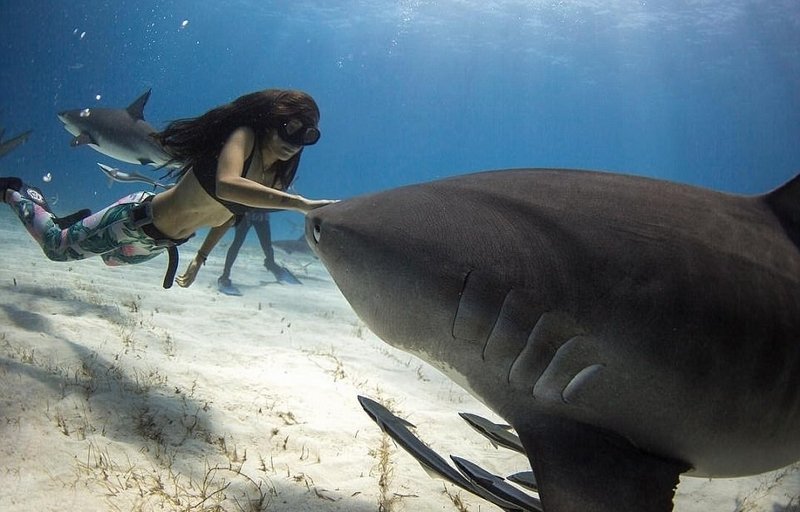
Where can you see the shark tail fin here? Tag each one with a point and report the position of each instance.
(136, 109)
(785, 202)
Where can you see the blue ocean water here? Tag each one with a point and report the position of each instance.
(699, 91)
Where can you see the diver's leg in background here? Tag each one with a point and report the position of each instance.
(282, 274)
(261, 224)
(233, 251)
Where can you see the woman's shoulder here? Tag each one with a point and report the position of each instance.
(243, 137)
(243, 133)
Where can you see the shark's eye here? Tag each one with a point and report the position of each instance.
(86, 112)
(317, 232)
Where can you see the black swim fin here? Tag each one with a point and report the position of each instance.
(34, 194)
(10, 182)
(282, 274)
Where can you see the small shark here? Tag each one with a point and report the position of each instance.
(8, 145)
(119, 133)
(131, 177)
(629, 329)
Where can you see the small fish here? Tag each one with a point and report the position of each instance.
(431, 462)
(496, 485)
(498, 435)
(526, 479)
(130, 177)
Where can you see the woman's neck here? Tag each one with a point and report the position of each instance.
(268, 158)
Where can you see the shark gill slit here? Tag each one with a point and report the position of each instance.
(497, 333)
(550, 333)
(478, 308)
(511, 330)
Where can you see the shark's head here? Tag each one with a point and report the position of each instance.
(74, 120)
(385, 254)
(402, 260)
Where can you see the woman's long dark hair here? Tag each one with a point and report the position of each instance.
(199, 140)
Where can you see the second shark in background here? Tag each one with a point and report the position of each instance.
(121, 133)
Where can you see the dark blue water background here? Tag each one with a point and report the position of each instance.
(702, 92)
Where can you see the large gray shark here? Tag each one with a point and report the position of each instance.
(629, 329)
(119, 133)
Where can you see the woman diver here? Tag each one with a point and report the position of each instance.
(233, 158)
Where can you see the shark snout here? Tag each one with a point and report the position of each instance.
(64, 117)
(68, 119)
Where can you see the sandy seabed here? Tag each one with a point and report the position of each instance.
(116, 394)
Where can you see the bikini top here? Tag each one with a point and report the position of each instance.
(206, 174)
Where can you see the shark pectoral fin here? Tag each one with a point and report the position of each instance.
(581, 467)
(82, 139)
